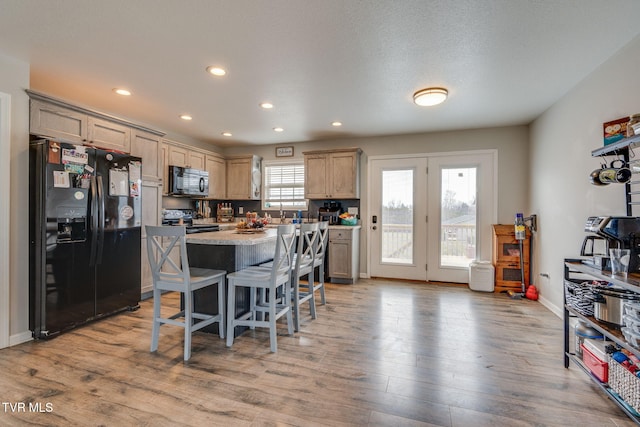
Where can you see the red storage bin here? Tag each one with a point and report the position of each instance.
(598, 367)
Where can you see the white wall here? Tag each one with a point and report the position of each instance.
(561, 142)
(14, 79)
(511, 143)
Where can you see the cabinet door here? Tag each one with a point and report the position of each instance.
(196, 160)
(109, 135)
(49, 120)
(316, 178)
(239, 179)
(344, 179)
(151, 215)
(147, 146)
(217, 168)
(178, 156)
(340, 259)
(164, 160)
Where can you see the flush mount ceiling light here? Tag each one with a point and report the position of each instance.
(227, 134)
(430, 96)
(278, 129)
(336, 124)
(266, 105)
(186, 117)
(216, 71)
(122, 92)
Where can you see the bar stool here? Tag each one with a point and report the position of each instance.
(169, 275)
(272, 282)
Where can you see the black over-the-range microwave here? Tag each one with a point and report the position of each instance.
(188, 182)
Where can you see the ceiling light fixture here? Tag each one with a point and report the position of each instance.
(336, 124)
(430, 96)
(278, 129)
(266, 105)
(186, 117)
(216, 71)
(227, 134)
(122, 92)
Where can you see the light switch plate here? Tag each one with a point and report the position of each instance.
(240, 210)
(353, 211)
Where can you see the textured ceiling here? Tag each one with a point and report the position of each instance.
(359, 62)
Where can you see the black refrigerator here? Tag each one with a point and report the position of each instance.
(84, 234)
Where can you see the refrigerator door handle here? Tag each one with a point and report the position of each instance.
(101, 219)
(94, 220)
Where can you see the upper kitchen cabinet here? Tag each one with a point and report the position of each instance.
(333, 174)
(147, 146)
(217, 168)
(60, 120)
(243, 177)
(180, 155)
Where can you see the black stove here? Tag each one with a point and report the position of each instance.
(177, 217)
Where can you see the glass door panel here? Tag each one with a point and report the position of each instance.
(397, 216)
(458, 216)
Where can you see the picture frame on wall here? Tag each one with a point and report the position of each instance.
(284, 151)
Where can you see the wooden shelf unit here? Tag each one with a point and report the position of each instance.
(506, 258)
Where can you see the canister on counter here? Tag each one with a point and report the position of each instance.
(633, 127)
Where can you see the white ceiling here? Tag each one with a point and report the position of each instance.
(357, 61)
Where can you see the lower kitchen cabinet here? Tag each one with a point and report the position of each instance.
(619, 384)
(343, 254)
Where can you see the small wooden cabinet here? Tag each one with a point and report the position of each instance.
(332, 174)
(244, 177)
(184, 157)
(343, 254)
(506, 258)
(147, 146)
(217, 168)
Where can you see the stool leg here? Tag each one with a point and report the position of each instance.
(312, 299)
(231, 311)
(155, 330)
(323, 301)
(273, 338)
(188, 311)
(295, 305)
(221, 304)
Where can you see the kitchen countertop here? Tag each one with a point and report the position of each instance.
(232, 238)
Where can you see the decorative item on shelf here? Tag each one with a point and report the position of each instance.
(348, 219)
(615, 130)
(616, 173)
(633, 127)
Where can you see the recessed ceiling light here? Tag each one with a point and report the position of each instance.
(186, 117)
(278, 129)
(430, 96)
(227, 134)
(266, 105)
(336, 124)
(122, 92)
(216, 71)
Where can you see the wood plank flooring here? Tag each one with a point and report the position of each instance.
(380, 353)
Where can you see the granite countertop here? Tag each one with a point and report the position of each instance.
(232, 238)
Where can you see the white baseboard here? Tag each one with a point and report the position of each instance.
(20, 338)
(551, 307)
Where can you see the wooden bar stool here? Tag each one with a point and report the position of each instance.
(171, 275)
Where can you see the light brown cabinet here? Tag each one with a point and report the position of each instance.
(244, 177)
(147, 146)
(343, 254)
(332, 174)
(67, 124)
(217, 168)
(506, 258)
(151, 215)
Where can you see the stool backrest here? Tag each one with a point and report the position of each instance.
(160, 243)
(307, 242)
(321, 242)
(283, 257)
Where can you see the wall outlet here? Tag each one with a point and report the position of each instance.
(240, 210)
(353, 211)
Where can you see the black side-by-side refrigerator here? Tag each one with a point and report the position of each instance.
(84, 234)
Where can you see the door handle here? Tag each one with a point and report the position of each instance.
(374, 228)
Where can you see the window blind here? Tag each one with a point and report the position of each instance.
(284, 186)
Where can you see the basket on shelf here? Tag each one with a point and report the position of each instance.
(580, 296)
(625, 383)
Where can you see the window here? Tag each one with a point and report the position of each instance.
(284, 186)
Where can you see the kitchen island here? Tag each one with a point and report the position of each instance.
(231, 251)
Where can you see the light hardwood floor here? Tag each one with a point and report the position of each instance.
(380, 353)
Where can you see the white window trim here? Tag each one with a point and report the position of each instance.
(269, 163)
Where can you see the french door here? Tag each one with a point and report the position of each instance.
(430, 216)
